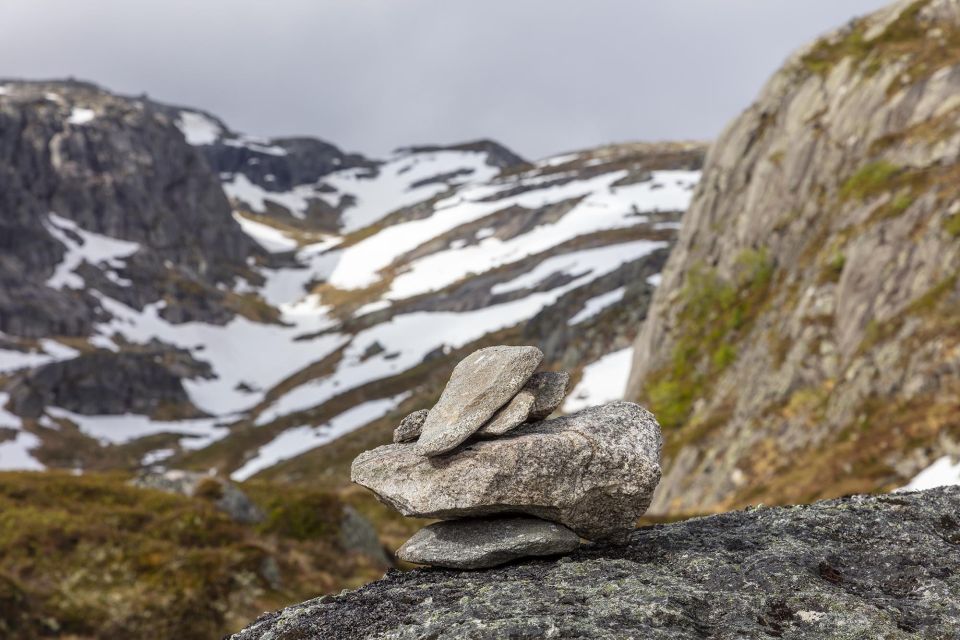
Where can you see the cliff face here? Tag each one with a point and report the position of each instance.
(851, 568)
(804, 342)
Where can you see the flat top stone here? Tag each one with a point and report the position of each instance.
(481, 543)
(593, 471)
(881, 566)
(480, 384)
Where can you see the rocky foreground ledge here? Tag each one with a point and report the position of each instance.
(883, 566)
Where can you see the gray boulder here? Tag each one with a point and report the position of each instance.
(358, 534)
(549, 388)
(410, 427)
(593, 471)
(880, 566)
(480, 384)
(478, 544)
(508, 417)
(224, 495)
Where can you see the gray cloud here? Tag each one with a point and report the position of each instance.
(541, 76)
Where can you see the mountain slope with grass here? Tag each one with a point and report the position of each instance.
(181, 295)
(804, 341)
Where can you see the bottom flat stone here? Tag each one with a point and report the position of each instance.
(487, 542)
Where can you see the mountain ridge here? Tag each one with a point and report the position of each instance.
(290, 341)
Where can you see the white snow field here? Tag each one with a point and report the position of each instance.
(97, 249)
(944, 472)
(299, 440)
(396, 186)
(198, 129)
(603, 381)
(248, 359)
(604, 207)
(81, 116)
(595, 305)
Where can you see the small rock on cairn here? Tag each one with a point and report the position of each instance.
(507, 483)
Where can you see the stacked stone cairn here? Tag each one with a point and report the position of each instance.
(505, 482)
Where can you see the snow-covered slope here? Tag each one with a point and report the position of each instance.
(368, 280)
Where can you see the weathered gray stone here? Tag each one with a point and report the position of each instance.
(482, 543)
(548, 388)
(480, 384)
(881, 566)
(410, 427)
(224, 495)
(358, 534)
(509, 417)
(593, 471)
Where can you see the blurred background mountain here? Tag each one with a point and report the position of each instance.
(185, 307)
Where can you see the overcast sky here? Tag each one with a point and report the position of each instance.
(541, 76)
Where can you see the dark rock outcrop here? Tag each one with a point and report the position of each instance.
(882, 566)
(115, 166)
(103, 382)
(224, 495)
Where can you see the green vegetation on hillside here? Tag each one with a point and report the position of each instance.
(919, 47)
(92, 557)
(715, 314)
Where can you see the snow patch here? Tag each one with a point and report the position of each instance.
(254, 144)
(942, 473)
(296, 201)
(592, 262)
(595, 305)
(603, 208)
(294, 442)
(603, 381)
(81, 116)
(393, 187)
(50, 351)
(270, 238)
(198, 129)
(119, 429)
(99, 250)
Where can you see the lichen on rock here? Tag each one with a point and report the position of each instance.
(882, 566)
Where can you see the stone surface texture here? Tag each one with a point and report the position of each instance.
(410, 427)
(483, 543)
(509, 417)
(549, 388)
(480, 384)
(884, 566)
(593, 471)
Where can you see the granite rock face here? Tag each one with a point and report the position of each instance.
(480, 384)
(410, 427)
(884, 566)
(483, 543)
(593, 471)
(845, 336)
